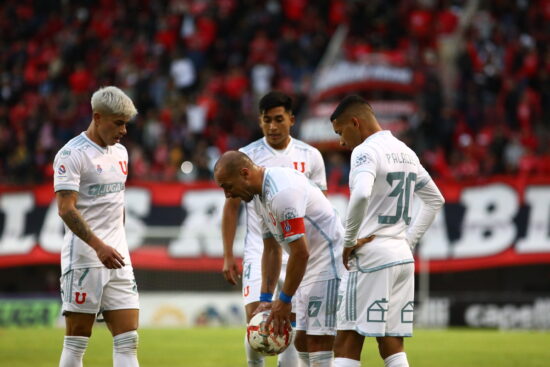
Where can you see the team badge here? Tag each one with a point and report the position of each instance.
(78, 299)
(123, 166)
(98, 169)
(62, 170)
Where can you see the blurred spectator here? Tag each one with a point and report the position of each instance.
(196, 68)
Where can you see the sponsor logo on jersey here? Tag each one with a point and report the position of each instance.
(103, 189)
(61, 170)
(65, 153)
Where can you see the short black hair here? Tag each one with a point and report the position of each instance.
(275, 99)
(347, 102)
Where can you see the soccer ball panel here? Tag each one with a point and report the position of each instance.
(265, 341)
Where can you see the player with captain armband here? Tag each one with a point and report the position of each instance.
(295, 216)
(276, 149)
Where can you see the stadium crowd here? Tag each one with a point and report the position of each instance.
(196, 69)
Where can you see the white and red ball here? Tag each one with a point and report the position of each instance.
(265, 341)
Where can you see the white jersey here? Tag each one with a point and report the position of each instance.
(397, 175)
(291, 206)
(297, 155)
(99, 176)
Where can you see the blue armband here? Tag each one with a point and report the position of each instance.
(285, 298)
(266, 297)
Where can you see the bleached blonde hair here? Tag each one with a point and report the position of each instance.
(113, 101)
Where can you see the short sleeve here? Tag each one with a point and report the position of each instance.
(289, 209)
(67, 168)
(318, 174)
(362, 160)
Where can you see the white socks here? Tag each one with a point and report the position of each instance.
(346, 362)
(253, 358)
(397, 360)
(321, 359)
(73, 351)
(125, 349)
(289, 358)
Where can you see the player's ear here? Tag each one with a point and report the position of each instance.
(244, 172)
(292, 118)
(97, 117)
(355, 122)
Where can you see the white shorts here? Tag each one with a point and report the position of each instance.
(252, 281)
(316, 305)
(94, 290)
(378, 303)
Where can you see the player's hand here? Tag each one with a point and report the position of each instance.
(110, 257)
(231, 271)
(263, 306)
(348, 251)
(280, 316)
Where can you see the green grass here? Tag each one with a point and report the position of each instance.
(215, 347)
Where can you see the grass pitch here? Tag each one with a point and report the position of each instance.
(220, 347)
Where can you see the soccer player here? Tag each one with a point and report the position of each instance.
(290, 206)
(379, 296)
(276, 148)
(97, 275)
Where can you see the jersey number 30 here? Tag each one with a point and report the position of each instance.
(403, 188)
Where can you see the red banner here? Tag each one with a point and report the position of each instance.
(176, 226)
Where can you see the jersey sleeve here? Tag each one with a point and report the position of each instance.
(266, 233)
(289, 209)
(318, 173)
(362, 160)
(422, 178)
(67, 169)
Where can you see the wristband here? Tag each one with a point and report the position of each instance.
(266, 297)
(283, 297)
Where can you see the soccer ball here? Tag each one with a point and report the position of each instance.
(265, 341)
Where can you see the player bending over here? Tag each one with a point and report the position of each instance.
(295, 215)
(276, 148)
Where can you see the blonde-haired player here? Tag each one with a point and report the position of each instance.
(97, 276)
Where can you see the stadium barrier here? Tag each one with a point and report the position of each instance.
(485, 254)
(498, 222)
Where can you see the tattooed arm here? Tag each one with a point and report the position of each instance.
(66, 205)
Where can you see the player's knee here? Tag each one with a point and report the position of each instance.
(126, 342)
(389, 345)
(316, 343)
(79, 330)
